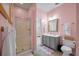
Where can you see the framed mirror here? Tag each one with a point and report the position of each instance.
(53, 25)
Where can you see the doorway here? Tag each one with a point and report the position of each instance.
(38, 31)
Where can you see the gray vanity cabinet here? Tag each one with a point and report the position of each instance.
(50, 41)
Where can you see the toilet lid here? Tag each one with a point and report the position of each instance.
(68, 43)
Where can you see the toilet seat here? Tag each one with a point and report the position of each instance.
(66, 50)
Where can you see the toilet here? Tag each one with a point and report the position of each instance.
(67, 47)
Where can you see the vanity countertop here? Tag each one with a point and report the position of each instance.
(52, 35)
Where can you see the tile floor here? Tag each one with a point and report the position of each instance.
(45, 51)
(42, 51)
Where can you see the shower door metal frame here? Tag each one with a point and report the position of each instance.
(30, 34)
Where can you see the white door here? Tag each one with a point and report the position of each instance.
(38, 30)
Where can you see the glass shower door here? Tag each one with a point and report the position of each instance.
(23, 35)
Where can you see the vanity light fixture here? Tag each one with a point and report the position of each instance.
(52, 18)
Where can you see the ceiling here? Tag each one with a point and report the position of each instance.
(46, 7)
(24, 5)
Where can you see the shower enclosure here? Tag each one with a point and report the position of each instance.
(23, 35)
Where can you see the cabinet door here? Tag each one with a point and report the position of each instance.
(43, 39)
(55, 43)
(47, 41)
(52, 43)
(57, 39)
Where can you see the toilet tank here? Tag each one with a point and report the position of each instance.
(69, 43)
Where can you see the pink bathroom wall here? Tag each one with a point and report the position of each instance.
(0, 41)
(43, 16)
(77, 40)
(66, 13)
(32, 15)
